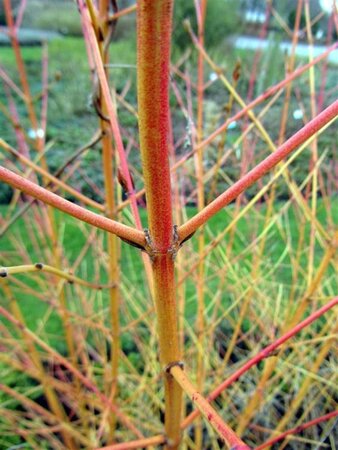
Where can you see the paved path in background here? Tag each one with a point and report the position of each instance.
(28, 36)
(32, 36)
(253, 43)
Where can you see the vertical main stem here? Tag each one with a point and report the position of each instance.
(154, 33)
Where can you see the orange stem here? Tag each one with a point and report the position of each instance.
(153, 35)
(215, 420)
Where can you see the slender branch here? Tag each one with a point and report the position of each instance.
(265, 353)
(123, 231)
(329, 114)
(123, 12)
(112, 117)
(215, 420)
(38, 267)
(298, 429)
(139, 443)
(20, 13)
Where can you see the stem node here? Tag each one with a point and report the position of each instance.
(169, 366)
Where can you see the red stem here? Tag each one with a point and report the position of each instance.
(153, 123)
(101, 74)
(44, 98)
(20, 14)
(298, 429)
(154, 26)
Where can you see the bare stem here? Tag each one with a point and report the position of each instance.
(154, 32)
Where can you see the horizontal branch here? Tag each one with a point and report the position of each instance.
(38, 267)
(122, 231)
(214, 419)
(265, 353)
(312, 127)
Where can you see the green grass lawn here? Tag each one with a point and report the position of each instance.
(71, 118)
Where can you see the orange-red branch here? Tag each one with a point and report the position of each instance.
(154, 27)
(261, 355)
(215, 420)
(38, 192)
(154, 24)
(112, 116)
(259, 171)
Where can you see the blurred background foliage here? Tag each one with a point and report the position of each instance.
(72, 119)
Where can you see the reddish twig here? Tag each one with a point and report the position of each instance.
(298, 429)
(259, 171)
(262, 355)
